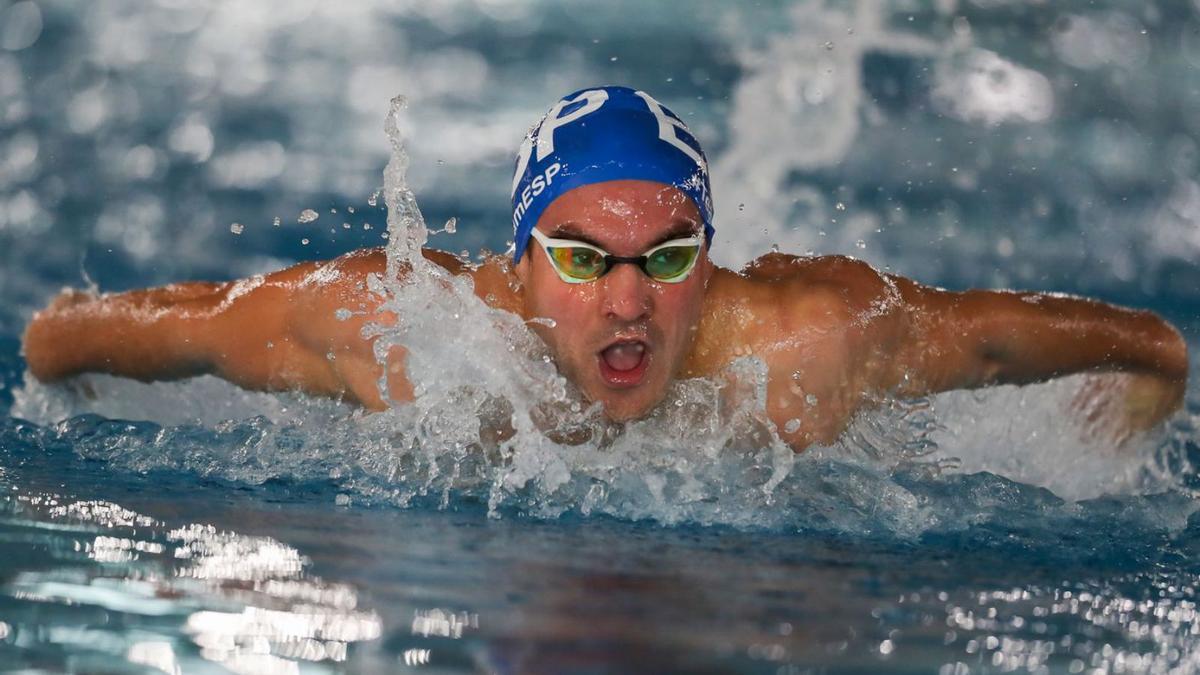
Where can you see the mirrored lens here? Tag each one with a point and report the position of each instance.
(671, 261)
(578, 262)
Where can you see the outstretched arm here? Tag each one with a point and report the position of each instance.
(277, 332)
(975, 338)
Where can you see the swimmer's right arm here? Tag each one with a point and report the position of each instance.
(274, 333)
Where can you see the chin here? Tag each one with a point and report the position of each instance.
(627, 408)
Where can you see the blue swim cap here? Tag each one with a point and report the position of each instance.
(603, 134)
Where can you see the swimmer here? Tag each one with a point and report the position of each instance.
(612, 217)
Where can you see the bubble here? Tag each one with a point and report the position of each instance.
(20, 26)
(308, 216)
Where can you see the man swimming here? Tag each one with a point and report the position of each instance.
(613, 222)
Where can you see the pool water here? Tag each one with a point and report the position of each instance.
(192, 527)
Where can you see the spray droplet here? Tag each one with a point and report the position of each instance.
(840, 206)
(811, 399)
(308, 215)
(374, 198)
(345, 226)
(774, 248)
(350, 209)
(366, 226)
(860, 244)
(304, 241)
(741, 207)
(451, 226)
(236, 228)
(342, 314)
(613, 59)
(792, 426)
(270, 345)
(333, 210)
(829, 45)
(277, 221)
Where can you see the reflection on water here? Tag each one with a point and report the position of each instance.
(243, 602)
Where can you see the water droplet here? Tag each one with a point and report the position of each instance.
(345, 226)
(821, 233)
(333, 210)
(741, 207)
(613, 59)
(792, 426)
(342, 314)
(330, 356)
(366, 226)
(350, 209)
(840, 206)
(270, 345)
(236, 228)
(774, 248)
(811, 399)
(304, 242)
(276, 222)
(308, 215)
(829, 45)
(860, 244)
(451, 226)
(441, 162)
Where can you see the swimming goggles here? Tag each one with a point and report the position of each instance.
(576, 262)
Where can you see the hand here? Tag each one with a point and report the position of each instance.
(1115, 407)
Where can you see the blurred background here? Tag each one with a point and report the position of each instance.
(998, 143)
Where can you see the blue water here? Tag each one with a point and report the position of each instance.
(189, 527)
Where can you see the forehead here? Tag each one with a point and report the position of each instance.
(632, 212)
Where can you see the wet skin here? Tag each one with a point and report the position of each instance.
(835, 334)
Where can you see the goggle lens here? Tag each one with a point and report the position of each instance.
(670, 262)
(578, 262)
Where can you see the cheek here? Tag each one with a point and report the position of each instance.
(570, 310)
(679, 308)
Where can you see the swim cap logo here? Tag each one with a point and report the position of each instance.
(666, 129)
(604, 134)
(545, 131)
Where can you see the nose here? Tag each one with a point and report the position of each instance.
(627, 294)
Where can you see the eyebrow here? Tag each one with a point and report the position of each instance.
(679, 229)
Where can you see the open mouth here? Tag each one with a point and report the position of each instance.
(623, 363)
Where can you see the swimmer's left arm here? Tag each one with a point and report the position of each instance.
(976, 338)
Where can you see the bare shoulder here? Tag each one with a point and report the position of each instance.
(838, 286)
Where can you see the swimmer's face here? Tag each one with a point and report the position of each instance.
(623, 337)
